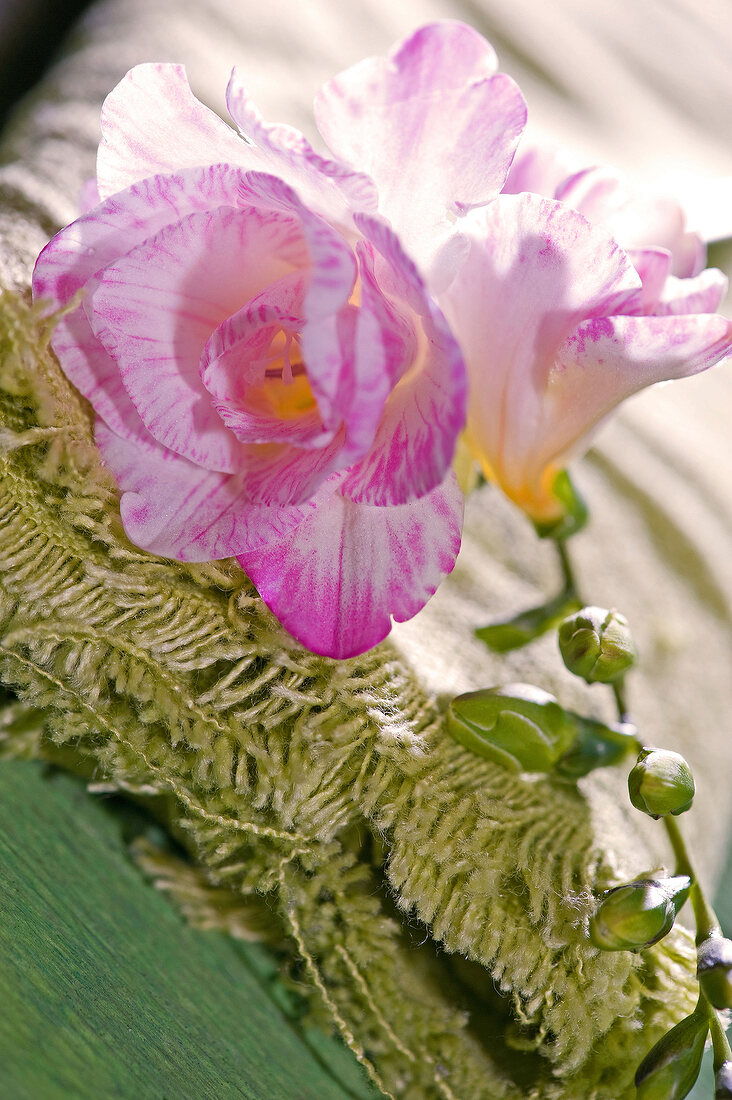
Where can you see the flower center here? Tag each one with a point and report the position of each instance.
(285, 392)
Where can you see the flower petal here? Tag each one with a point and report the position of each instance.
(607, 360)
(152, 123)
(82, 249)
(535, 271)
(637, 218)
(325, 186)
(177, 510)
(337, 579)
(154, 309)
(425, 412)
(654, 267)
(702, 294)
(431, 124)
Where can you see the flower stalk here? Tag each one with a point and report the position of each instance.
(705, 919)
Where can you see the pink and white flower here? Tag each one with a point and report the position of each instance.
(567, 305)
(271, 374)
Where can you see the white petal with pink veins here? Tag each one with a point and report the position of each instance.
(152, 123)
(154, 309)
(702, 294)
(326, 186)
(336, 581)
(432, 124)
(636, 217)
(82, 249)
(607, 360)
(177, 510)
(425, 412)
(537, 269)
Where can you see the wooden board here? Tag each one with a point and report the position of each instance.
(106, 992)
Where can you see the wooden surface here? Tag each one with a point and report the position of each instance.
(106, 992)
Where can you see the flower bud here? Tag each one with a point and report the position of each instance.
(723, 1082)
(597, 644)
(671, 1067)
(661, 783)
(518, 726)
(638, 914)
(714, 970)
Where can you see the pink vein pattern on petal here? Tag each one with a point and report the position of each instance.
(431, 124)
(335, 582)
(607, 360)
(536, 270)
(177, 510)
(155, 308)
(637, 218)
(91, 243)
(325, 185)
(152, 123)
(425, 412)
(703, 293)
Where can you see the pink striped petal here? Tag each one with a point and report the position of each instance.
(177, 510)
(339, 577)
(431, 124)
(152, 124)
(536, 270)
(425, 412)
(154, 309)
(654, 267)
(607, 360)
(636, 218)
(82, 249)
(702, 294)
(326, 186)
(539, 167)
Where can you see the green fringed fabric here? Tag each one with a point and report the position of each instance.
(435, 904)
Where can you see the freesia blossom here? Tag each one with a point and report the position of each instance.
(271, 374)
(564, 306)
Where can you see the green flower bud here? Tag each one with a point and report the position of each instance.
(723, 1082)
(714, 970)
(638, 914)
(518, 726)
(597, 644)
(661, 783)
(669, 1070)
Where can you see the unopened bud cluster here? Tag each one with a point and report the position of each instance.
(661, 783)
(597, 645)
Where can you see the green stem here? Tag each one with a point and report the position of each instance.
(622, 704)
(570, 581)
(720, 1042)
(704, 915)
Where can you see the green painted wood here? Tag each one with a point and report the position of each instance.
(106, 992)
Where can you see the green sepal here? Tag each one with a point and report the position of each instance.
(524, 728)
(597, 746)
(671, 1067)
(575, 509)
(523, 628)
